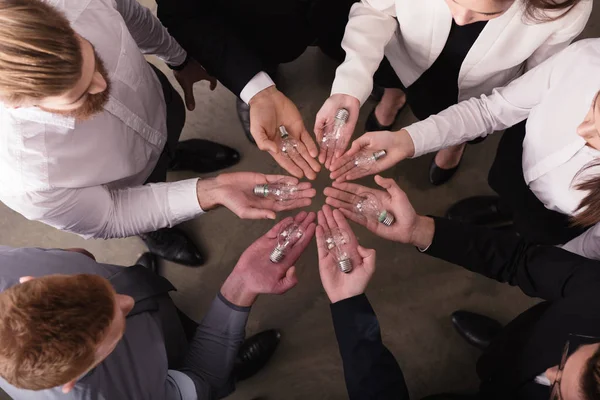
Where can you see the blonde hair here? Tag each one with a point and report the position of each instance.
(40, 55)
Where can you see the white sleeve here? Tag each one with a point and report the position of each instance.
(574, 23)
(102, 213)
(149, 33)
(477, 117)
(587, 244)
(370, 27)
(258, 83)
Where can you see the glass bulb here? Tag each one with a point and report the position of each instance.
(278, 191)
(369, 206)
(286, 239)
(289, 145)
(338, 244)
(365, 160)
(333, 131)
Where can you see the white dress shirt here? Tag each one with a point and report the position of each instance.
(554, 98)
(85, 177)
(412, 34)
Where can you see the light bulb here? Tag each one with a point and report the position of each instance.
(279, 191)
(371, 208)
(288, 237)
(337, 243)
(289, 145)
(365, 160)
(333, 131)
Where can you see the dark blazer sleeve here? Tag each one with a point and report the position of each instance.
(547, 272)
(370, 370)
(211, 40)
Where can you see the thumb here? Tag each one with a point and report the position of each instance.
(368, 256)
(288, 281)
(389, 184)
(263, 142)
(213, 83)
(357, 146)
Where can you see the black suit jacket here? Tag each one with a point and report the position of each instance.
(530, 344)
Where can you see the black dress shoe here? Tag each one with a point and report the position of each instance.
(438, 176)
(480, 210)
(173, 245)
(243, 112)
(203, 156)
(148, 260)
(373, 125)
(478, 330)
(255, 353)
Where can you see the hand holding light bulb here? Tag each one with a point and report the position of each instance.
(340, 284)
(407, 225)
(365, 158)
(236, 191)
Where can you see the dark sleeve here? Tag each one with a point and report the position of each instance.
(370, 370)
(212, 41)
(213, 349)
(541, 271)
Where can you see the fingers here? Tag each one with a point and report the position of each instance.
(298, 248)
(335, 203)
(312, 163)
(284, 178)
(354, 217)
(329, 156)
(262, 140)
(322, 153)
(307, 220)
(287, 164)
(213, 83)
(343, 224)
(291, 205)
(300, 160)
(274, 231)
(322, 220)
(188, 95)
(322, 250)
(341, 195)
(352, 188)
(328, 213)
(310, 144)
(257, 213)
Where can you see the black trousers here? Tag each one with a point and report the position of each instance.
(532, 219)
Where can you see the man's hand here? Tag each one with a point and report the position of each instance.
(270, 109)
(193, 72)
(337, 284)
(398, 146)
(235, 191)
(255, 274)
(408, 227)
(326, 116)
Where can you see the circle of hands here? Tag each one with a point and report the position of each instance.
(270, 109)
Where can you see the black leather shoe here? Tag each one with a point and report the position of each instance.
(243, 112)
(478, 330)
(173, 245)
(203, 156)
(480, 210)
(438, 176)
(255, 353)
(373, 125)
(148, 260)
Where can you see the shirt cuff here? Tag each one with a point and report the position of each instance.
(183, 201)
(417, 136)
(260, 82)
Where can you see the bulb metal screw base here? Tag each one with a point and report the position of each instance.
(277, 255)
(379, 154)
(387, 218)
(345, 265)
(261, 190)
(342, 114)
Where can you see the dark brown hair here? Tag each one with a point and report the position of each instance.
(590, 379)
(50, 328)
(537, 10)
(40, 55)
(589, 208)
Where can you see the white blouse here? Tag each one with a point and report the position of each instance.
(554, 98)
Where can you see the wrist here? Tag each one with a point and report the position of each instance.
(207, 191)
(406, 144)
(422, 233)
(262, 95)
(235, 291)
(180, 66)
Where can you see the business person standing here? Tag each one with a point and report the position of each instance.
(551, 350)
(438, 53)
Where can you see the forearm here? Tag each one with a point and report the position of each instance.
(99, 212)
(149, 33)
(213, 349)
(371, 371)
(368, 31)
(539, 271)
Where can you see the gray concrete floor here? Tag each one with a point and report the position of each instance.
(413, 294)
